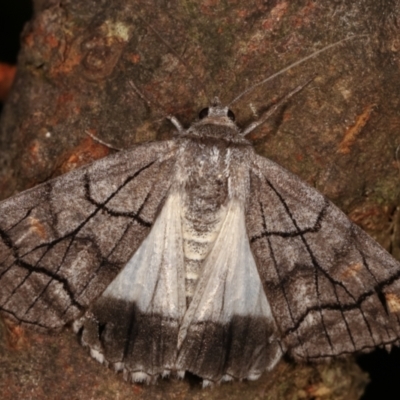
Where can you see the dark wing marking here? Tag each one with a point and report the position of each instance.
(62, 242)
(333, 290)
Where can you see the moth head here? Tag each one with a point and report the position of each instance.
(217, 114)
(216, 121)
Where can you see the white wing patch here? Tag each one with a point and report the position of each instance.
(229, 284)
(229, 299)
(153, 278)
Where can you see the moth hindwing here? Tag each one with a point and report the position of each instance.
(195, 254)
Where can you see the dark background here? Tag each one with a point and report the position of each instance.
(384, 368)
(13, 15)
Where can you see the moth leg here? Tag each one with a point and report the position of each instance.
(176, 123)
(96, 139)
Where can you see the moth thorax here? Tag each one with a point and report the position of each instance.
(216, 131)
(199, 235)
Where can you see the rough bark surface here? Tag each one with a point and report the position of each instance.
(340, 134)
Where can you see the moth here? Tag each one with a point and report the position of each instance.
(195, 254)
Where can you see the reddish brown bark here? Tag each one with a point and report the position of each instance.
(7, 74)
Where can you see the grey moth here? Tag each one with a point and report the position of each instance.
(195, 254)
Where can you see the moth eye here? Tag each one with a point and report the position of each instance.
(203, 113)
(231, 115)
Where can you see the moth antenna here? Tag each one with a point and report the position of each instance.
(269, 112)
(151, 104)
(312, 55)
(198, 83)
(96, 139)
(172, 118)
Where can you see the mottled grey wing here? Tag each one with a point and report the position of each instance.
(62, 242)
(332, 289)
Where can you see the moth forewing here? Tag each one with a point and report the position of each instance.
(43, 281)
(335, 281)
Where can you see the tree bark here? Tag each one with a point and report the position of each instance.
(340, 134)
